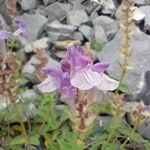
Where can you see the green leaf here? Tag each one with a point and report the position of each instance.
(116, 123)
(19, 140)
(70, 141)
(147, 146)
(102, 108)
(109, 146)
(124, 130)
(136, 137)
(22, 79)
(99, 141)
(125, 89)
(97, 46)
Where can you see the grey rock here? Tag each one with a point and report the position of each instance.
(61, 54)
(140, 2)
(27, 5)
(52, 62)
(77, 36)
(77, 4)
(42, 43)
(109, 25)
(35, 25)
(87, 31)
(147, 2)
(144, 130)
(145, 92)
(106, 12)
(67, 7)
(101, 120)
(100, 35)
(146, 11)
(29, 69)
(46, 2)
(93, 15)
(90, 6)
(55, 11)
(3, 24)
(139, 60)
(108, 5)
(54, 36)
(55, 26)
(1, 1)
(24, 96)
(28, 94)
(77, 17)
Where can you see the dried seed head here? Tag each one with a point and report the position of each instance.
(11, 8)
(117, 104)
(9, 70)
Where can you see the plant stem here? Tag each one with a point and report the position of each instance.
(110, 136)
(127, 139)
(20, 118)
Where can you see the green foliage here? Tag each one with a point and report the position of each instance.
(50, 114)
(13, 44)
(19, 140)
(70, 141)
(97, 46)
(125, 89)
(22, 79)
(51, 123)
(102, 108)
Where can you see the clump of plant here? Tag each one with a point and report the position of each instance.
(78, 80)
(65, 115)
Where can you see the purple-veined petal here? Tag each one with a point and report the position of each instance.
(56, 74)
(74, 51)
(107, 83)
(47, 85)
(85, 80)
(82, 61)
(100, 67)
(6, 35)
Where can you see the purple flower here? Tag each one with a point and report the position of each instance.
(84, 75)
(9, 35)
(77, 72)
(93, 76)
(57, 79)
(22, 28)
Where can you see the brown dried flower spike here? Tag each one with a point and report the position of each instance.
(11, 8)
(9, 70)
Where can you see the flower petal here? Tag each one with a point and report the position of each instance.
(56, 73)
(107, 83)
(100, 67)
(85, 80)
(47, 85)
(6, 35)
(82, 61)
(22, 28)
